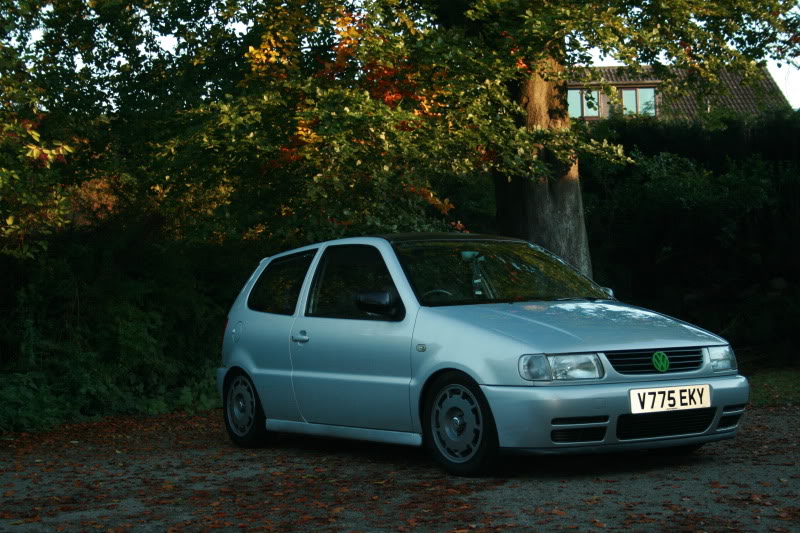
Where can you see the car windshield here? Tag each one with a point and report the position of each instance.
(459, 272)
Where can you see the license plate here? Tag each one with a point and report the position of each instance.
(670, 398)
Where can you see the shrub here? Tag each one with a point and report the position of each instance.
(702, 226)
(114, 320)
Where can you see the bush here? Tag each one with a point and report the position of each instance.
(114, 320)
(703, 225)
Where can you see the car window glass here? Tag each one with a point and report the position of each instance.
(471, 272)
(278, 287)
(345, 271)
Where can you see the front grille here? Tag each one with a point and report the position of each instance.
(578, 434)
(664, 424)
(579, 420)
(641, 361)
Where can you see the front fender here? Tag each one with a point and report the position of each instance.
(441, 343)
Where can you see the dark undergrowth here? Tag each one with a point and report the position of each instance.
(115, 320)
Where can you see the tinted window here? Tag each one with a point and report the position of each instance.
(278, 287)
(345, 271)
(471, 272)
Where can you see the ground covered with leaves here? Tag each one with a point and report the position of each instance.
(179, 472)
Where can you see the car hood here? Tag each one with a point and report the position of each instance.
(572, 326)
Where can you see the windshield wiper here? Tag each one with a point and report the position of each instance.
(572, 298)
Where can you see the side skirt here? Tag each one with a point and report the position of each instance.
(345, 432)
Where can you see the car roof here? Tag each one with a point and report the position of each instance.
(442, 236)
(394, 238)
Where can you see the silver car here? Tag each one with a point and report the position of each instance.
(468, 345)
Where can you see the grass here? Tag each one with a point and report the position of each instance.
(775, 387)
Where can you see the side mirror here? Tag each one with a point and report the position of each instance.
(378, 302)
(610, 292)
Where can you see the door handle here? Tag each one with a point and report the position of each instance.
(300, 336)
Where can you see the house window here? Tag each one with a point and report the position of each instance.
(583, 103)
(639, 101)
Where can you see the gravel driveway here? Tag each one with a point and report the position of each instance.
(179, 472)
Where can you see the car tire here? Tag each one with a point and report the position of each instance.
(458, 426)
(244, 416)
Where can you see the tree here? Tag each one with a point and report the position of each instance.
(117, 81)
(33, 203)
(356, 106)
(482, 86)
(553, 41)
(306, 120)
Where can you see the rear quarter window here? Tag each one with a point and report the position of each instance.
(278, 287)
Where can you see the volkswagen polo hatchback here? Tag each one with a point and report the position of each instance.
(468, 345)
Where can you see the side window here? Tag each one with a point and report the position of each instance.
(278, 287)
(343, 272)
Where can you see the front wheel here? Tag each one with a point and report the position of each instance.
(244, 416)
(458, 426)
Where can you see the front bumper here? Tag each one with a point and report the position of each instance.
(597, 417)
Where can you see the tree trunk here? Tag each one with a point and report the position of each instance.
(548, 212)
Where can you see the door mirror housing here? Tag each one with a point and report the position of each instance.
(378, 302)
(610, 292)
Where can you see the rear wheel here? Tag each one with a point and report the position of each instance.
(244, 416)
(458, 426)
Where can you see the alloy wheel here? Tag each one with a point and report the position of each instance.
(241, 406)
(457, 423)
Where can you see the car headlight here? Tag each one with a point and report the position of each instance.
(722, 358)
(541, 367)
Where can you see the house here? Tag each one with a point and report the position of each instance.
(640, 95)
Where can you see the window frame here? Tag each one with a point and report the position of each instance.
(321, 268)
(277, 260)
(636, 89)
(582, 93)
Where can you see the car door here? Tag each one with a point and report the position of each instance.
(264, 333)
(352, 367)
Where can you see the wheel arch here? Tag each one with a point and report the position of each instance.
(449, 449)
(426, 388)
(232, 371)
(246, 426)
(236, 370)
